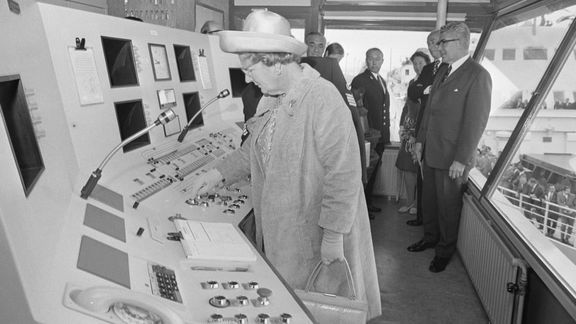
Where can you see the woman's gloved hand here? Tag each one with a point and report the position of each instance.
(206, 182)
(332, 247)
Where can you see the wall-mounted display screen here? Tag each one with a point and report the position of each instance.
(18, 123)
(166, 98)
(131, 120)
(237, 81)
(159, 60)
(119, 61)
(192, 106)
(184, 62)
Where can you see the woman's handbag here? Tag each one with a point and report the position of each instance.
(333, 309)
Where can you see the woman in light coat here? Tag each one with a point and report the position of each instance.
(303, 157)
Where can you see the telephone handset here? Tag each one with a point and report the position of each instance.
(128, 306)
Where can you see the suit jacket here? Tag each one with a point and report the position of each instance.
(416, 92)
(377, 101)
(329, 70)
(456, 115)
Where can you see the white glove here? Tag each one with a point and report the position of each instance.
(206, 182)
(332, 247)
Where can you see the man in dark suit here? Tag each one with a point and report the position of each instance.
(419, 93)
(376, 100)
(453, 123)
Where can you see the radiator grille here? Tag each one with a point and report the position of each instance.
(489, 264)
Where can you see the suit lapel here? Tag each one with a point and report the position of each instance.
(375, 82)
(466, 65)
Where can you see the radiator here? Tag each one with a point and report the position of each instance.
(491, 266)
(388, 182)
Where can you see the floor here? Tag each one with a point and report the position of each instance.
(410, 293)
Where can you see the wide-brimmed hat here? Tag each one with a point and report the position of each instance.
(264, 31)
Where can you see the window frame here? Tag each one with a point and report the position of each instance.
(555, 277)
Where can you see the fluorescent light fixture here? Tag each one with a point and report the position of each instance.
(389, 2)
(389, 16)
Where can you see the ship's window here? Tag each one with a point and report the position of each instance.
(489, 53)
(535, 53)
(513, 83)
(536, 192)
(508, 54)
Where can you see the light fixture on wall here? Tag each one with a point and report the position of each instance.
(371, 15)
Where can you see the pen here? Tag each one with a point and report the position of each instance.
(229, 269)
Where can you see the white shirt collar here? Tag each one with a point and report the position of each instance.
(458, 63)
(376, 75)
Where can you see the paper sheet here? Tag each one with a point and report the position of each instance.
(86, 77)
(213, 241)
(202, 63)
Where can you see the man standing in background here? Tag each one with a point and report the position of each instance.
(376, 100)
(419, 93)
(316, 44)
(453, 123)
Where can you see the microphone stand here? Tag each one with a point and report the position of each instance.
(164, 118)
(222, 94)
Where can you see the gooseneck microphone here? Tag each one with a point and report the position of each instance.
(224, 93)
(163, 118)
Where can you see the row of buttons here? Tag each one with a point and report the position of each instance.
(262, 318)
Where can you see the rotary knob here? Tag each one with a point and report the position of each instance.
(242, 300)
(286, 318)
(253, 285)
(216, 318)
(212, 284)
(264, 318)
(241, 318)
(219, 301)
(233, 285)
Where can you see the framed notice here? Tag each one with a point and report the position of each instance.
(159, 60)
(166, 98)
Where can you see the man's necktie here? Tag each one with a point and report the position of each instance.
(447, 73)
(382, 83)
(436, 66)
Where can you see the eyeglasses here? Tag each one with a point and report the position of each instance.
(249, 69)
(444, 41)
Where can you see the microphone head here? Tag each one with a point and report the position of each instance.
(166, 116)
(224, 93)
